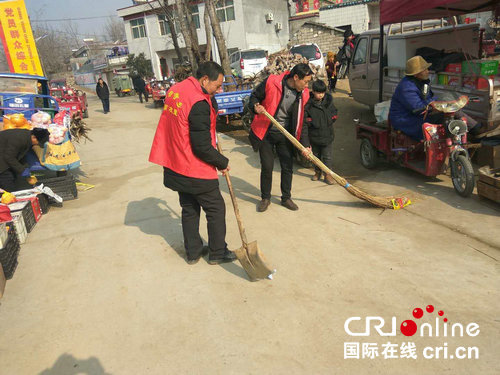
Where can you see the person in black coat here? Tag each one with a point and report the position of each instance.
(140, 87)
(102, 92)
(317, 133)
(14, 145)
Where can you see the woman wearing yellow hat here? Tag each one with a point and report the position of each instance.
(411, 98)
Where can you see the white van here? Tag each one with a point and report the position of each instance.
(247, 63)
(311, 52)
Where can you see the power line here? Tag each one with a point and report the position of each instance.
(72, 19)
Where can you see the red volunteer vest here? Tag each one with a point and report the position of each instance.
(274, 92)
(171, 145)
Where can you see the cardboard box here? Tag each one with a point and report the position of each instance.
(480, 67)
(35, 205)
(443, 79)
(453, 68)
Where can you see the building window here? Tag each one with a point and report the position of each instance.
(195, 13)
(164, 27)
(138, 28)
(225, 10)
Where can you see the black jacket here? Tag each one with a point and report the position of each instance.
(139, 84)
(318, 125)
(201, 144)
(102, 92)
(14, 145)
(258, 95)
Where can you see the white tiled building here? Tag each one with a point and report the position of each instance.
(245, 24)
(361, 16)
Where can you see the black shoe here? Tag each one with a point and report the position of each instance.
(263, 205)
(195, 260)
(289, 204)
(229, 256)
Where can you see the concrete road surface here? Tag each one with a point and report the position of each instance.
(102, 286)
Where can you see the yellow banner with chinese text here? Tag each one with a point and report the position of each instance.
(17, 38)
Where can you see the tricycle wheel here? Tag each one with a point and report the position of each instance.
(368, 154)
(462, 176)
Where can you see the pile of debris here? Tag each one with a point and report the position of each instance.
(280, 62)
(78, 128)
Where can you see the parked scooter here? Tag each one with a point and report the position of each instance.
(444, 145)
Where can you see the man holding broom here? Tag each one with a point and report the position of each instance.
(284, 97)
(185, 145)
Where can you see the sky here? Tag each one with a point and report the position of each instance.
(64, 9)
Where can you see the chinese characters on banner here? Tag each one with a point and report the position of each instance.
(307, 6)
(17, 39)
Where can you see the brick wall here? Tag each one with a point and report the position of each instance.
(326, 38)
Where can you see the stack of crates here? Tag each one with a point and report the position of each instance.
(18, 221)
(64, 186)
(27, 212)
(9, 252)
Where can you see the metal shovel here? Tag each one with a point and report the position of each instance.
(251, 258)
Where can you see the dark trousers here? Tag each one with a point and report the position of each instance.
(323, 153)
(215, 211)
(8, 180)
(284, 149)
(141, 93)
(332, 82)
(105, 105)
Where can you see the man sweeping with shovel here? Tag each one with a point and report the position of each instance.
(284, 96)
(185, 145)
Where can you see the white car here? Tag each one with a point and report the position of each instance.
(247, 63)
(311, 52)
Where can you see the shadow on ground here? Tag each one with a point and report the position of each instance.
(66, 364)
(156, 217)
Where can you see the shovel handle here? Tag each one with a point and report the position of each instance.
(340, 180)
(233, 200)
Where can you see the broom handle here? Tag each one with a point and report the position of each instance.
(233, 200)
(340, 180)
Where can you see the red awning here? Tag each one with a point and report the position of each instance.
(393, 11)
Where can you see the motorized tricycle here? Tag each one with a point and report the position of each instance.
(26, 94)
(159, 91)
(68, 100)
(444, 145)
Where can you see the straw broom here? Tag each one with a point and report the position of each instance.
(384, 202)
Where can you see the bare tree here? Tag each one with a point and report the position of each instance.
(208, 33)
(168, 11)
(54, 48)
(72, 32)
(219, 38)
(186, 33)
(114, 29)
(194, 34)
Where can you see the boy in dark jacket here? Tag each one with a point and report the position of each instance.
(320, 114)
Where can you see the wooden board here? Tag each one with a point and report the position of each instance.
(487, 176)
(488, 191)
